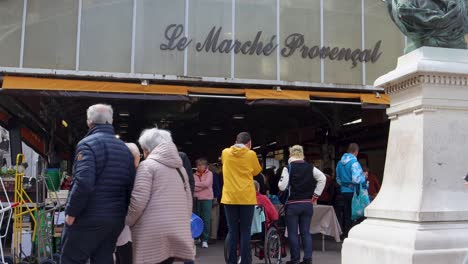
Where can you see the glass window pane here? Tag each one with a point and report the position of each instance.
(153, 17)
(300, 16)
(380, 27)
(253, 17)
(50, 40)
(106, 35)
(32, 158)
(204, 16)
(11, 17)
(342, 28)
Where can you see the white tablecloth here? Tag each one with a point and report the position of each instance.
(324, 222)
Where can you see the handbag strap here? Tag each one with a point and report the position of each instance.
(182, 177)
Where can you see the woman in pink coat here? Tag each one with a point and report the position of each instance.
(161, 203)
(204, 194)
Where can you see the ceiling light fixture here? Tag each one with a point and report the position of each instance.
(353, 122)
(64, 123)
(238, 117)
(257, 147)
(201, 133)
(216, 128)
(117, 136)
(272, 143)
(124, 113)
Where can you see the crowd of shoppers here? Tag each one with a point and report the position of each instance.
(140, 212)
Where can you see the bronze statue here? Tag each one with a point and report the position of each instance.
(434, 23)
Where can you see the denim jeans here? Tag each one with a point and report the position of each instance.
(299, 215)
(239, 220)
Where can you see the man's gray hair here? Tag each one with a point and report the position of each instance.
(151, 138)
(100, 114)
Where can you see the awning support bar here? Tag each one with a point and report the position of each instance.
(243, 98)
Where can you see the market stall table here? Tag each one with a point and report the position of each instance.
(324, 221)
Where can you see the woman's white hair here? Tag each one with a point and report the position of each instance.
(296, 151)
(100, 114)
(151, 138)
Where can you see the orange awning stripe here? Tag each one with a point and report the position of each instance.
(49, 84)
(31, 83)
(258, 94)
(209, 90)
(34, 140)
(335, 95)
(373, 99)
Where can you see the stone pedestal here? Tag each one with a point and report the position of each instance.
(421, 213)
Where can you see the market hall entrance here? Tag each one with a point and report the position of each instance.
(203, 125)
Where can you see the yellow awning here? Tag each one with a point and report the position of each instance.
(259, 94)
(221, 91)
(375, 99)
(336, 95)
(50, 84)
(31, 83)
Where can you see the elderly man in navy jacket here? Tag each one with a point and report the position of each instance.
(103, 176)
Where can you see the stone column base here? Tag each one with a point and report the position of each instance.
(420, 215)
(394, 242)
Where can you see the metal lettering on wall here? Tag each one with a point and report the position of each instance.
(293, 43)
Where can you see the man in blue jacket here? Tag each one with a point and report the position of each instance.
(103, 176)
(349, 173)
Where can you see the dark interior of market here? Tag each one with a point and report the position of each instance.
(202, 127)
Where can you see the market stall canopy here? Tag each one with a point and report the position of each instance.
(97, 88)
(126, 90)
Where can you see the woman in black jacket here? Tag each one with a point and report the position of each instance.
(305, 184)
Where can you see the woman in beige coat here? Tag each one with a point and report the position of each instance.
(161, 203)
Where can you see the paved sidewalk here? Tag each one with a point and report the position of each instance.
(215, 254)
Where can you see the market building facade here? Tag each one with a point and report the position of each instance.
(311, 61)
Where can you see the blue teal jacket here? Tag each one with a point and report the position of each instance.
(103, 177)
(349, 173)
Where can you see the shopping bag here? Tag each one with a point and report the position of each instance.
(196, 225)
(359, 203)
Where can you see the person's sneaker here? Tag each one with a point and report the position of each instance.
(306, 261)
(205, 244)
